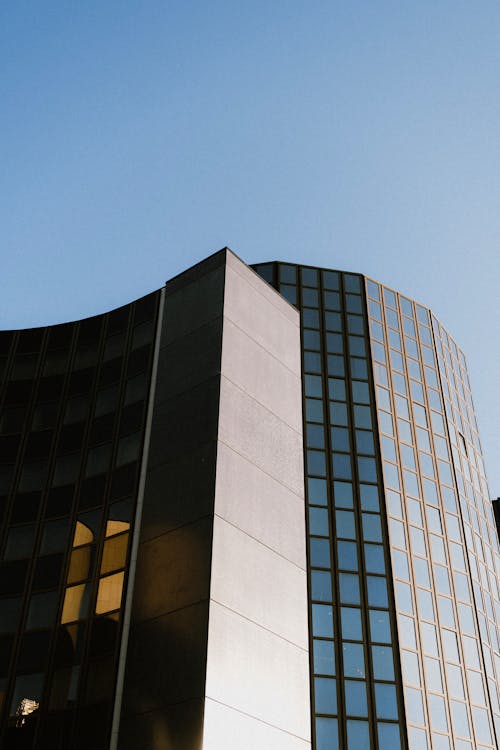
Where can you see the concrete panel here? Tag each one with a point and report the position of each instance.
(258, 372)
(272, 326)
(226, 728)
(173, 570)
(193, 304)
(184, 423)
(179, 492)
(253, 279)
(166, 660)
(190, 360)
(260, 436)
(177, 727)
(259, 505)
(259, 584)
(256, 672)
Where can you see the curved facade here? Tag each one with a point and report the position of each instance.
(73, 409)
(242, 516)
(394, 463)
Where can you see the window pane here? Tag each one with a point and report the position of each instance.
(357, 735)
(351, 624)
(327, 735)
(109, 595)
(386, 702)
(322, 619)
(354, 659)
(325, 694)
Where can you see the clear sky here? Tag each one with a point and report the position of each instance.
(139, 136)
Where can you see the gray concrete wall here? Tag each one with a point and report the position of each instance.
(164, 688)
(257, 688)
(218, 647)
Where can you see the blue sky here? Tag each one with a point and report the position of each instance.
(137, 137)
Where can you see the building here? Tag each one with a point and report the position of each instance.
(231, 524)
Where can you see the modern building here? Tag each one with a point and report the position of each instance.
(248, 510)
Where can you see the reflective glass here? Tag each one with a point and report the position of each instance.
(313, 386)
(327, 735)
(318, 521)
(368, 494)
(403, 597)
(418, 739)
(42, 610)
(357, 734)
(401, 564)
(319, 553)
(429, 640)
(322, 620)
(109, 594)
(360, 392)
(325, 695)
(411, 669)
(316, 463)
(364, 442)
(354, 659)
(386, 701)
(324, 657)
(333, 320)
(374, 558)
(321, 586)
(351, 623)
(389, 736)
(437, 712)
(433, 674)
(481, 724)
(414, 707)
(383, 666)
(362, 416)
(345, 524)
(315, 436)
(338, 414)
(341, 465)
(459, 719)
(377, 591)
(20, 541)
(349, 588)
(380, 627)
(316, 491)
(340, 438)
(372, 529)
(355, 698)
(347, 555)
(342, 493)
(407, 631)
(367, 469)
(75, 603)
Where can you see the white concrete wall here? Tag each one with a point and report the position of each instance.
(257, 682)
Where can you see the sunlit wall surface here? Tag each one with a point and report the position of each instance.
(355, 671)
(73, 403)
(444, 543)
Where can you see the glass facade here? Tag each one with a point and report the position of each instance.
(356, 685)
(73, 402)
(399, 460)
(442, 530)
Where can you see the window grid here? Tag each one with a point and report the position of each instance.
(435, 542)
(101, 589)
(475, 506)
(339, 419)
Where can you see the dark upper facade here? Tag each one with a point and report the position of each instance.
(225, 524)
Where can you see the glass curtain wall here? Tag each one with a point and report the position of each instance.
(355, 671)
(443, 541)
(73, 404)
